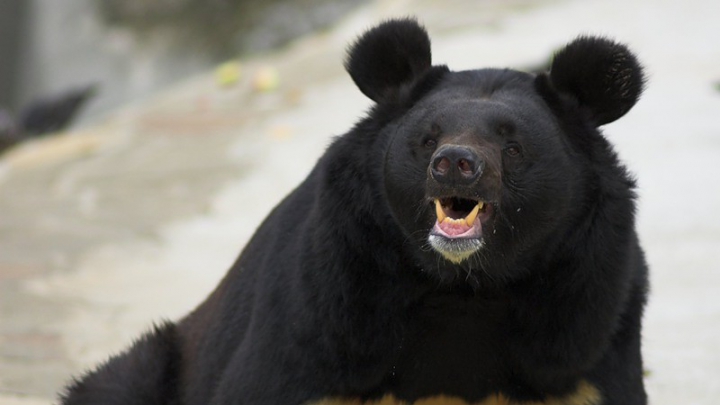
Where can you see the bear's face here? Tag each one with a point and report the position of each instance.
(474, 157)
(482, 166)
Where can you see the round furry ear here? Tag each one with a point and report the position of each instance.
(387, 56)
(602, 75)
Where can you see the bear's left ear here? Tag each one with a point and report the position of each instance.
(603, 76)
(392, 54)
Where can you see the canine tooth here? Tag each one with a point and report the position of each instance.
(440, 212)
(481, 204)
(470, 218)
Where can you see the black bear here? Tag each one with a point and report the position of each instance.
(470, 241)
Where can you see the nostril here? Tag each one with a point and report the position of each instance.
(466, 167)
(442, 165)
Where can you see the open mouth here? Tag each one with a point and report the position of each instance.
(457, 217)
(457, 233)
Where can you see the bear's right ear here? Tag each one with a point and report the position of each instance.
(384, 58)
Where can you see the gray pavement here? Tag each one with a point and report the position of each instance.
(109, 228)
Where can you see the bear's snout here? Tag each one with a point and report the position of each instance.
(456, 165)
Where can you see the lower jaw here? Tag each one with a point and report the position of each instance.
(455, 250)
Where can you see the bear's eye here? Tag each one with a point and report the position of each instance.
(430, 143)
(513, 150)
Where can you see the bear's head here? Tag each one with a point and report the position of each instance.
(488, 170)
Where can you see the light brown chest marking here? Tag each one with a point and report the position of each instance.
(585, 394)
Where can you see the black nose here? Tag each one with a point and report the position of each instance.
(456, 164)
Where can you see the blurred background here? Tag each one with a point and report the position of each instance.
(134, 47)
(142, 142)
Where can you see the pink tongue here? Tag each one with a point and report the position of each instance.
(453, 228)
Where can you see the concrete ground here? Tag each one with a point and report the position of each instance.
(109, 228)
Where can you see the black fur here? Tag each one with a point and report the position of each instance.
(604, 77)
(339, 294)
(145, 374)
(391, 54)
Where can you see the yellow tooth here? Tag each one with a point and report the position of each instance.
(481, 204)
(448, 220)
(470, 218)
(439, 211)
